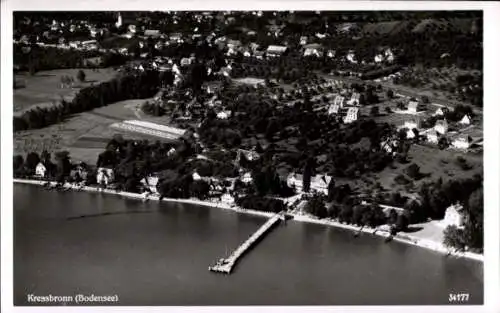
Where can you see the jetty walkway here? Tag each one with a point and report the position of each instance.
(226, 265)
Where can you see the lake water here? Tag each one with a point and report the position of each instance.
(161, 257)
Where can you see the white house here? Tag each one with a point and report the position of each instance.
(152, 33)
(185, 61)
(466, 120)
(441, 126)
(340, 100)
(453, 216)
(247, 178)
(313, 49)
(333, 109)
(355, 98)
(227, 199)
(411, 124)
(389, 145)
(313, 52)
(338, 103)
(462, 142)
(171, 151)
(250, 155)
(413, 107)
(389, 56)
(224, 115)
(40, 170)
(105, 175)
(150, 183)
(351, 57)
(441, 111)
(119, 21)
(351, 115)
(303, 40)
(132, 29)
(275, 51)
(432, 136)
(196, 176)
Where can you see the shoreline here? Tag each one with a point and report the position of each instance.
(403, 238)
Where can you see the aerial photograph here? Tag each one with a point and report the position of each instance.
(216, 158)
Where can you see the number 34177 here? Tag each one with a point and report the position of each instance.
(458, 297)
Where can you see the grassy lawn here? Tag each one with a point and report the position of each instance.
(44, 87)
(434, 163)
(85, 134)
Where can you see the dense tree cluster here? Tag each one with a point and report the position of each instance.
(252, 202)
(353, 212)
(33, 58)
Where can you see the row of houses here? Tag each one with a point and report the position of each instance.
(319, 183)
(440, 130)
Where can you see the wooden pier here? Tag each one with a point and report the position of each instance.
(225, 266)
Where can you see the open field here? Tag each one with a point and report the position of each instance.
(44, 87)
(85, 135)
(434, 163)
(427, 25)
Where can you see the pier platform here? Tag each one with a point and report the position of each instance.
(225, 266)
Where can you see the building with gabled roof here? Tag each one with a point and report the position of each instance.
(352, 115)
(150, 183)
(152, 33)
(413, 106)
(355, 98)
(441, 126)
(276, 51)
(105, 176)
(462, 142)
(411, 123)
(40, 170)
(466, 120)
(442, 111)
(453, 216)
(432, 136)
